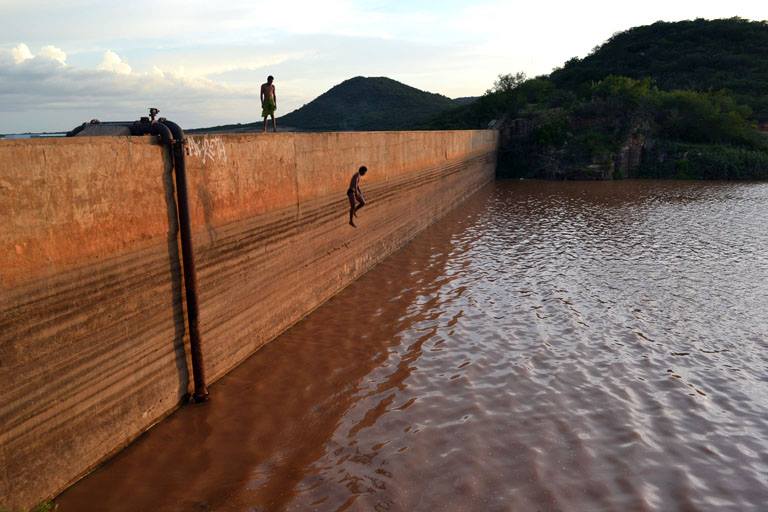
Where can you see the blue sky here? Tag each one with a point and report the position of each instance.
(62, 63)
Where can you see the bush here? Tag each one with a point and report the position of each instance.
(715, 118)
(705, 161)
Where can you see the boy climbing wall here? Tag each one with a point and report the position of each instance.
(355, 195)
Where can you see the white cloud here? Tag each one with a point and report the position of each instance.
(53, 53)
(21, 53)
(112, 62)
(41, 94)
(210, 61)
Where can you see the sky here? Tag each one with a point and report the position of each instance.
(202, 62)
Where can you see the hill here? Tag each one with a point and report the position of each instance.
(699, 55)
(666, 100)
(361, 103)
(465, 100)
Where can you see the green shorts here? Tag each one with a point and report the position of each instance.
(268, 108)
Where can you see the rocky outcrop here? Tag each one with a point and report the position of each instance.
(524, 155)
(629, 157)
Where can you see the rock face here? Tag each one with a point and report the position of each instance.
(552, 162)
(629, 157)
(93, 343)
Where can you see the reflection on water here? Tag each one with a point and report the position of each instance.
(546, 346)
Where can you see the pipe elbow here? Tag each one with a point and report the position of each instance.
(178, 133)
(165, 133)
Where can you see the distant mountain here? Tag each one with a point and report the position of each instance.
(362, 103)
(465, 100)
(31, 135)
(229, 128)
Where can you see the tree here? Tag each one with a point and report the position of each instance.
(507, 83)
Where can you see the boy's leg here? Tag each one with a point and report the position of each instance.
(351, 198)
(265, 124)
(274, 124)
(360, 202)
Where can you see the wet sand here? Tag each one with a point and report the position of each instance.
(546, 346)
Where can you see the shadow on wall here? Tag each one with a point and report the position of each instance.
(177, 289)
(206, 201)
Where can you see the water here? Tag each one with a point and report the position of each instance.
(546, 346)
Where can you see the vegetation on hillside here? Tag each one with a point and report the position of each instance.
(650, 89)
(700, 55)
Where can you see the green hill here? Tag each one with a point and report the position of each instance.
(727, 54)
(360, 103)
(676, 100)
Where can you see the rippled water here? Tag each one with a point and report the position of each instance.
(546, 346)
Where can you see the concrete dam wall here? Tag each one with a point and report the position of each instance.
(93, 341)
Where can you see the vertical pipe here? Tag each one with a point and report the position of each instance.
(174, 136)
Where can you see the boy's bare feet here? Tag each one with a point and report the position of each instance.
(352, 224)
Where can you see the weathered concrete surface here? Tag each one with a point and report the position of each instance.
(92, 340)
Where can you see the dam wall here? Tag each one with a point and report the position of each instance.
(93, 342)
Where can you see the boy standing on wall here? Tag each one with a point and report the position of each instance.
(268, 102)
(355, 195)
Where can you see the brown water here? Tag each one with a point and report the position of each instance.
(546, 346)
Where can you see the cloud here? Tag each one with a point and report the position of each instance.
(21, 53)
(39, 93)
(53, 53)
(112, 62)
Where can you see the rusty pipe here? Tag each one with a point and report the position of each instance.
(173, 136)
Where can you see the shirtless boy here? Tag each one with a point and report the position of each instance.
(355, 195)
(268, 102)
